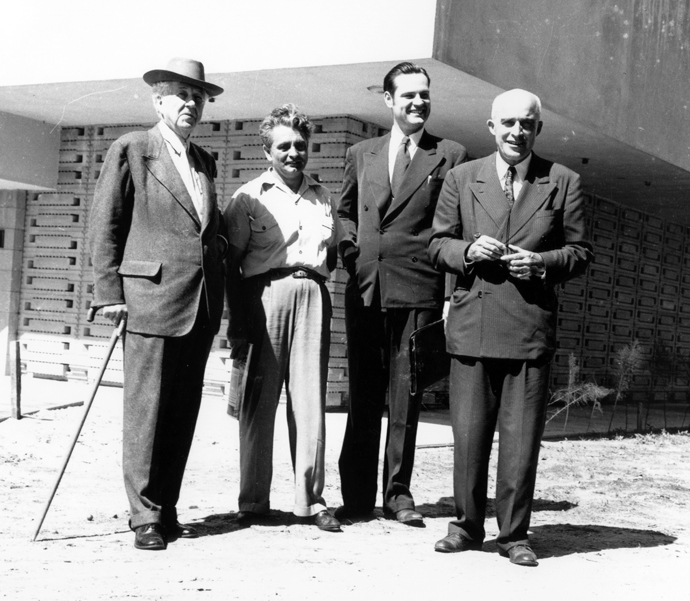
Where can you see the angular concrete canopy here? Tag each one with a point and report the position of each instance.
(321, 56)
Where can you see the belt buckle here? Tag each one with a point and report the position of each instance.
(300, 274)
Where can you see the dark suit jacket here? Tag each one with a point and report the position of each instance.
(148, 247)
(492, 315)
(391, 251)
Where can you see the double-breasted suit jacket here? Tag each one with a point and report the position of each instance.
(392, 290)
(502, 330)
(151, 251)
(391, 250)
(149, 247)
(492, 315)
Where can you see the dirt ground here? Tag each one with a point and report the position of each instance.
(611, 521)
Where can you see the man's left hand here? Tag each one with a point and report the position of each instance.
(523, 264)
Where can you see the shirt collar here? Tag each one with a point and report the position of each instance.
(268, 178)
(172, 138)
(520, 169)
(397, 135)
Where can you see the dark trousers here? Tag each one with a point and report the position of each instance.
(378, 360)
(162, 393)
(482, 393)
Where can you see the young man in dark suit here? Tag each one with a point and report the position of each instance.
(510, 227)
(389, 194)
(158, 263)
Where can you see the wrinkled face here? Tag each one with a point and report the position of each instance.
(515, 126)
(288, 154)
(410, 102)
(182, 108)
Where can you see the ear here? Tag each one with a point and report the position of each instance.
(541, 123)
(490, 125)
(267, 154)
(388, 99)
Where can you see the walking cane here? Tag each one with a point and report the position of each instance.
(117, 333)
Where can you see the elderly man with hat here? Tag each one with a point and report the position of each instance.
(157, 256)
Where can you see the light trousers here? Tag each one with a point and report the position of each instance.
(290, 325)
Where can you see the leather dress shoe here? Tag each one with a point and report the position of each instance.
(325, 521)
(520, 555)
(149, 537)
(177, 530)
(345, 513)
(410, 517)
(246, 517)
(455, 543)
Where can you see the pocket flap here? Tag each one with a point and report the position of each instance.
(145, 269)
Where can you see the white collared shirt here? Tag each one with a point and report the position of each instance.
(178, 153)
(520, 173)
(396, 137)
(278, 228)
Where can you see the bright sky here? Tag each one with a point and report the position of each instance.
(45, 41)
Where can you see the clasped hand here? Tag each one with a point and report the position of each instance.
(522, 264)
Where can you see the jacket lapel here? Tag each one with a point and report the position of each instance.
(376, 180)
(425, 160)
(489, 193)
(160, 165)
(536, 189)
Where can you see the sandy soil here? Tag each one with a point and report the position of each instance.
(611, 521)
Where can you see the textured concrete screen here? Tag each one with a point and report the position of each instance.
(637, 288)
(56, 290)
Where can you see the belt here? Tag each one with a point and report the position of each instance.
(296, 272)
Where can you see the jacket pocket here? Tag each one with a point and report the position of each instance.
(140, 269)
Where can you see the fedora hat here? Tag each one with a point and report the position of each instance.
(184, 70)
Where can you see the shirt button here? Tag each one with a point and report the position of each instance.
(479, 294)
(414, 259)
(380, 258)
(382, 232)
(366, 208)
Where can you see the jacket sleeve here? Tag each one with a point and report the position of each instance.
(574, 253)
(446, 245)
(110, 222)
(348, 211)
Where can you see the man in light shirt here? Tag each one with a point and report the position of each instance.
(509, 227)
(157, 254)
(389, 193)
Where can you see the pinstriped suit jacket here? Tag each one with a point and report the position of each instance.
(492, 315)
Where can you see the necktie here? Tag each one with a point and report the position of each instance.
(510, 174)
(402, 162)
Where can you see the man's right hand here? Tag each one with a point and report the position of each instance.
(115, 313)
(237, 347)
(485, 248)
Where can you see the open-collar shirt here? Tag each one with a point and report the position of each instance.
(278, 228)
(178, 151)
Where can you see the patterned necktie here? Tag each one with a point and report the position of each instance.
(402, 162)
(510, 174)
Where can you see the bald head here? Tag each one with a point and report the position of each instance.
(515, 124)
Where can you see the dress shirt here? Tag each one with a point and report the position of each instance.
(396, 137)
(190, 176)
(520, 173)
(277, 228)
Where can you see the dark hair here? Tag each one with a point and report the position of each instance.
(288, 115)
(402, 69)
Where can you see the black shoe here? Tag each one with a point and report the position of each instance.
(247, 517)
(520, 555)
(345, 513)
(409, 517)
(326, 522)
(149, 537)
(455, 543)
(177, 530)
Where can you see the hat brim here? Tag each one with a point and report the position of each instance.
(151, 77)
